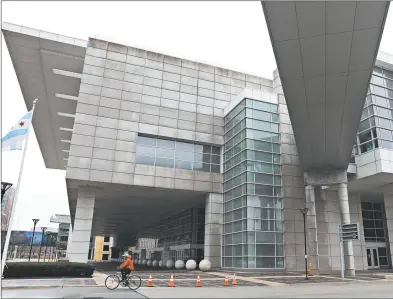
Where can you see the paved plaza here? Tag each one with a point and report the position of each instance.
(185, 279)
(373, 289)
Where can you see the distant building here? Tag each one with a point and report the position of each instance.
(63, 234)
(102, 250)
(20, 241)
(6, 207)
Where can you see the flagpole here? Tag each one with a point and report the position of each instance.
(9, 229)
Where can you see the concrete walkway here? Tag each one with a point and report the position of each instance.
(374, 289)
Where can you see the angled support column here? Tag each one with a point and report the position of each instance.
(312, 232)
(82, 226)
(213, 228)
(388, 200)
(346, 219)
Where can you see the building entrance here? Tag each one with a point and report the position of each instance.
(372, 258)
(377, 257)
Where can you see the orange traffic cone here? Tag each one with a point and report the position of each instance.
(310, 270)
(150, 281)
(234, 282)
(226, 282)
(198, 282)
(171, 282)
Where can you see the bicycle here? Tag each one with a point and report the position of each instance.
(133, 282)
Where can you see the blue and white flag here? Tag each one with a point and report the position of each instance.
(17, 135)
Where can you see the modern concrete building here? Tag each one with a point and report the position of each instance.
(102, 248)
(150, 141)
(64, 222)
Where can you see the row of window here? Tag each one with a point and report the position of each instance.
(171, 163)
(255, 119)
(178, 145)
(176, 154)
(252, 155)
(252, 201)
(253, 237)
(253, 189)
(253, 107)
(250, 166)
(252, 177)
(375, 121)
(375, 133)
(253, 213)
(381, 91)
(379, 101)
(258, 250)
(252, 145)
(382, 81)
(253, 262)
(383, 72)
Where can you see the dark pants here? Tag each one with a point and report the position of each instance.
(124, 273)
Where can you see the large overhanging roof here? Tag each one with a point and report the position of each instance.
(48, 67)
(325, 53)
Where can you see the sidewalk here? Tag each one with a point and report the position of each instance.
(209, 280)
(44, 283)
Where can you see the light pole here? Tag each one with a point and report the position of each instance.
(304, 213)
(42, 239)
(4, 187)
(32, 237)
(48, 234)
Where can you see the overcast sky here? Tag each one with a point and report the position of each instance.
(228, 34)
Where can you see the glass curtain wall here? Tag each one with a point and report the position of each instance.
(376, 125)
(253, 229)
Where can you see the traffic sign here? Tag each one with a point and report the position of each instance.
(350, 231)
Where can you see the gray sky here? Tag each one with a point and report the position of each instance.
(229, 34)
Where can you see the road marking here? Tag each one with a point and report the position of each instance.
(249, 279)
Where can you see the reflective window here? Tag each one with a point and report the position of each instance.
(252, 187)
(176, 154)
(376, 126)
(373, 221)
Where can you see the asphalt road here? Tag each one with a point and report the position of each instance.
(374, 289)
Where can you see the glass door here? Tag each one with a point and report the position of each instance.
(372, 258)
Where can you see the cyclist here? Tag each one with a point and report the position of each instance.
(127, 266)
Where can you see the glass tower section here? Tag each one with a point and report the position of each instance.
(376, 124)
(253, 228)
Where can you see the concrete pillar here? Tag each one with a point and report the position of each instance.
(143, 254)
(69, 242)
(213, 228)
(388, 200)
(346, 219)
(312, 232)
(113, 241)
(82, 226)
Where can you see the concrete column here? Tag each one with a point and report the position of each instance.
(143, 254)
(69, 242)
(113, 241)
(388, 200)
(213, 228)
(346, 219)
(312, 232)
(82, 226)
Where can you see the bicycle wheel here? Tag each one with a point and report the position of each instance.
(134, 282)
(112, 282)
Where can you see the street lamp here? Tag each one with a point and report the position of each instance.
(304, 213)
(32, 237)
(4, 187)
(42, 239)
(48, 235)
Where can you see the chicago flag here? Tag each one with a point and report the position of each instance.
(17, 135)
